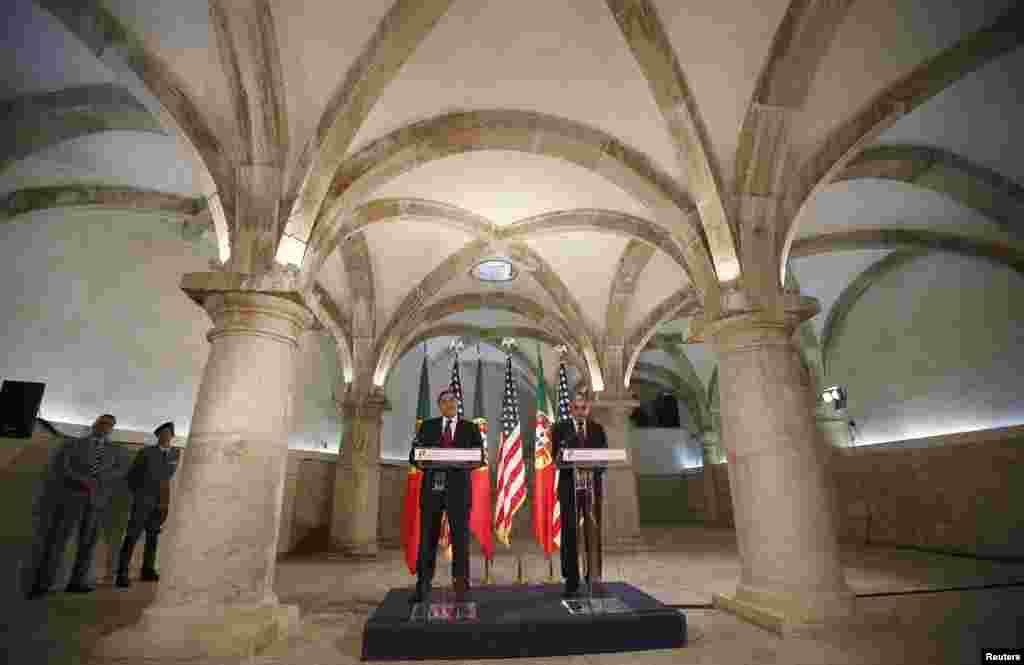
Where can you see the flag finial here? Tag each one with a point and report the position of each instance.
(456, 346)
(508, 343)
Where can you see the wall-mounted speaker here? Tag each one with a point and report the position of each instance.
(19, 407)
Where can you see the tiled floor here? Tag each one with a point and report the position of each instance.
(681, 566)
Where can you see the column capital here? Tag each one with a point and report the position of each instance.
(742, 326)
(362, 406)
(279, 282)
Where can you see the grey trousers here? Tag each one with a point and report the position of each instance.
(70, 510)
(145, 517)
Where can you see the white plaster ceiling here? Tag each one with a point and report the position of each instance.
(586, 262)
(399, 266)
(156, 162)
(870, 203)
(879, 42)
(723, 52)
(318, 44)
(661, 277)
(970, 119)
(524, 285)
(506, 186)
(563, 58)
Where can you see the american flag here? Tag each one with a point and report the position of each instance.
(563, 393)
(511, 472)
(563, 414)
(456, 385)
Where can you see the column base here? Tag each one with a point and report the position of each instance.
(788, 613)
(189, 632)
(355, 550)
(625, 543)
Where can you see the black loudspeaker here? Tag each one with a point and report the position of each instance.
(19, 406)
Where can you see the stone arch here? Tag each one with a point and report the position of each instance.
(388, 345)
(160, 90)
(524, 131)
(678, 304)
(36, 121)
(848, 140)
(971, 185)
(643, 31)
(888, 238)
(840, 310)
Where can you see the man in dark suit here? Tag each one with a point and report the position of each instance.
(89, 472)
(578, 432)
(449, 491)
(149, 481)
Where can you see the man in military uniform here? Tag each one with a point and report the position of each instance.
(88, 472)
(149, 481)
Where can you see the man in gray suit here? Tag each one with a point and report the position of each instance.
(149, 481)
(88, 475)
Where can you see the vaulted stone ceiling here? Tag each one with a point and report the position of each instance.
(615, 149)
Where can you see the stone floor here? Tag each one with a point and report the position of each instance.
(917, 619)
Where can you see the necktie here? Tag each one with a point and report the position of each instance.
(579, 429)
(97, 457)
(446, 437)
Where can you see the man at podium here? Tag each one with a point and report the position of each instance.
(444, 491)
(578, 432)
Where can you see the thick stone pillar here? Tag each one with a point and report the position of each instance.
(778, 464)
(357, 479)
(215, 597)
(620, 528)
(834, 425)
(709, 443)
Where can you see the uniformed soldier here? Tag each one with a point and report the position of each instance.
(149, 481)
(88, 472)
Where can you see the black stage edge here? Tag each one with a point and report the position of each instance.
(521, 622)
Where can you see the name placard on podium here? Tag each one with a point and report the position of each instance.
(593, 457)
(449, 457)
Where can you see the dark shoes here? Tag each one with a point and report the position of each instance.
(123, 582)
(79, 588)
(421, 593)
(461, 586)
(149, 576)
(36, 592)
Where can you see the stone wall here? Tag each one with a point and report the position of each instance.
(960, 493)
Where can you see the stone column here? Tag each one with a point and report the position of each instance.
(620, 528)
(782, 494)
(215, 597)
(357, 479)
(709, 441)
(834, 425)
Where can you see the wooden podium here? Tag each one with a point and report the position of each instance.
(583, 462)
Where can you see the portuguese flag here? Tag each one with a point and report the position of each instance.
(480, 511)
(544, 471)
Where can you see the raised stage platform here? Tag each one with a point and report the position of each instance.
(520, 621)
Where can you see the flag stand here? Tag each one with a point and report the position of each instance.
(488, 576)
(551, 571)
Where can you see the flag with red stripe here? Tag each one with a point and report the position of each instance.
(544, 472)
(511, 472)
